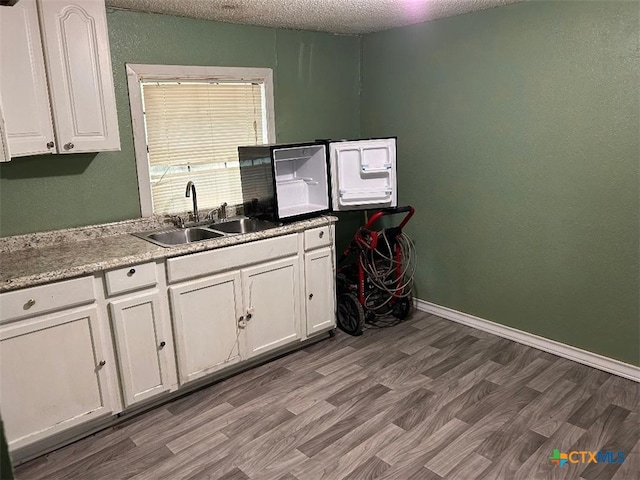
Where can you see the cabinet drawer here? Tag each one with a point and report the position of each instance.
(317, 237)
(130, 278)
(219, 260)
(46, 298)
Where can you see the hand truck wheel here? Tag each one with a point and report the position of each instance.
(350, 314)
(402, 308)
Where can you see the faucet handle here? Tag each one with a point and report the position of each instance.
(212, 215)
(178, 221)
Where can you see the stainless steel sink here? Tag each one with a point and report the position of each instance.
(182, 236)
(243, 225)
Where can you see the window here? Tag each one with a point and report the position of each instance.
(188, 123)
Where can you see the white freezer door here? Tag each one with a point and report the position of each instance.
(363, 174)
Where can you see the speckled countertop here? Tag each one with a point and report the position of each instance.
(69, 257)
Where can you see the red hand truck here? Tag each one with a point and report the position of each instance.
(375, 275)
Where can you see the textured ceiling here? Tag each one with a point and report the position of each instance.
(335, 16)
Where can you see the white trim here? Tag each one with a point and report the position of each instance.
(139, 142)
(5, 155)
(137, 73)
(585, 357)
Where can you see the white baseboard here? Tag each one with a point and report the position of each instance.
(585, 357)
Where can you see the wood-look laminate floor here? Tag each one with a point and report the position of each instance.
(427, 399)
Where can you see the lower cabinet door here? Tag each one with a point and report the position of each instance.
(320, 281)
(206, 314)
(54, 375)
(144, 346)
(271, 299)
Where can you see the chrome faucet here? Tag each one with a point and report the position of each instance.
(191, 189)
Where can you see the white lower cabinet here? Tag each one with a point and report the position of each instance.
(205, 317)
(65, 346)
(271, 293)
(143, 345)
(252, 308)
(223, 319)
(320, 290)
(54, 374)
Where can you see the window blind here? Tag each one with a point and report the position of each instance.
(193, 133)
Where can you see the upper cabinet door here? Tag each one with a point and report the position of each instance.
(78, 60)
(23, 82)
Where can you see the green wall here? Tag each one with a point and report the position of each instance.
(518, 143)
(316, 89)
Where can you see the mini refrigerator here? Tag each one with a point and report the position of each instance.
(288, 182)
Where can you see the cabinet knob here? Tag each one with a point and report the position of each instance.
(249, 315)
(163, 344)
(69, 146)
(50, 144)
(30, 303)
(321, 234)
(310, 296)
(102, 363)
(131, 272)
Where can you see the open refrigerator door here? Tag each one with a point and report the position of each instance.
(363, 174)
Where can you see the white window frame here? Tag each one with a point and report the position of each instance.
(137, 73)
(5, 155)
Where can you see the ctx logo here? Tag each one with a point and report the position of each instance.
(575, 456)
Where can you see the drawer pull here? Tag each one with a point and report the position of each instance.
(321, 234)
(310, 296)
(30, 303)
(163, 344)
(102, 363)
(131, 272)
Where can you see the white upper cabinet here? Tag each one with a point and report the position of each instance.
(23, 81)
(78, 59)
(77, 79)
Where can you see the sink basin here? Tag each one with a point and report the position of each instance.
(243, 225)
(182, 236)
